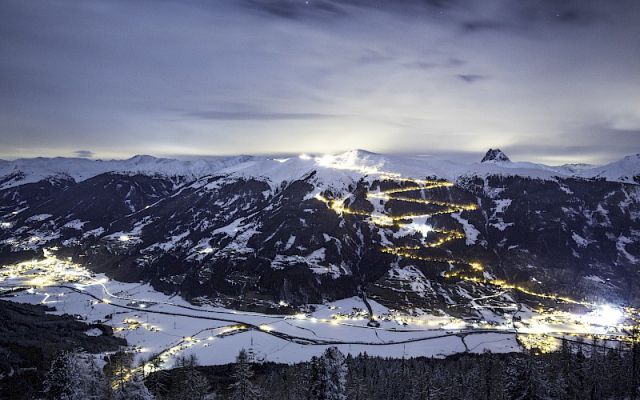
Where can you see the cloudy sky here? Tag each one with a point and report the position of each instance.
(553, 81)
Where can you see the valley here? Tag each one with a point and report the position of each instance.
(335, 251)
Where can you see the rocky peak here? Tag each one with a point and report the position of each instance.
(495, 155)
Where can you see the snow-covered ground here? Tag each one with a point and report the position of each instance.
(157, 325)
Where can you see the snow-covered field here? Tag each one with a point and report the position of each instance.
(157, 325)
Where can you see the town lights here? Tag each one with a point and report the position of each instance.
(604, 315)
(476, 266)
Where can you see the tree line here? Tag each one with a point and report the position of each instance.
(576, 371)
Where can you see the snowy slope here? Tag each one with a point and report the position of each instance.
(333, 171)
(30, 170)
(355, 164)
(625, 170)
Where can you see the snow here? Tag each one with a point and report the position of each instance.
(470, 231)
(172, 243)
(94, 232)
(153, 322)
(93, 332)
(331, 171)
(594, 278)
(623, 170)
(79, 169)
(75, 224)
(317, 256)
(290, 242)
(580, 241)
(501, 205)
(621, 244)
(416, 280)
(230, 229)
(39, 217)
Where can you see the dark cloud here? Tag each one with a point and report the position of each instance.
(537, 15)
(374, 57)
(451, 62)
(483, 25)
(424, 65)
(296, 9)
(256, 116)
(455, 62)
(567, 12)
(84, 153)
(471, 78)
(293, 9)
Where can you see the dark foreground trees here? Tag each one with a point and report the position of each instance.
(243, 387)
(577, 371)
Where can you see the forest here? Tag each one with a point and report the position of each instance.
(578, 370)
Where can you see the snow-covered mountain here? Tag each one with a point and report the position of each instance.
(250, 231)
(495, 155)
(625, 170)
(353, 164)
(29, 170)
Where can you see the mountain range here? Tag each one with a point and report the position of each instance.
(414, 233)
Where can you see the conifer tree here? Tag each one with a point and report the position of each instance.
(243, 388)
(335, 374)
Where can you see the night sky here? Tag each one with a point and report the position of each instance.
(546, 80)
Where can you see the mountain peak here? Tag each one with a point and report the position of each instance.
(142, 158)
(495, 155)
(360, 152)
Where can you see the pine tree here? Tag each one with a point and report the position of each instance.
(118, 369)
(96, 385)
(316, 378)
(420, 385)
(156, 382)
(242, 388)
(74, 375)
(335, 374)
(357, 387)
(524, 379)
(188, 383)
(134, 389)
(297, 382)
(61, 380)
